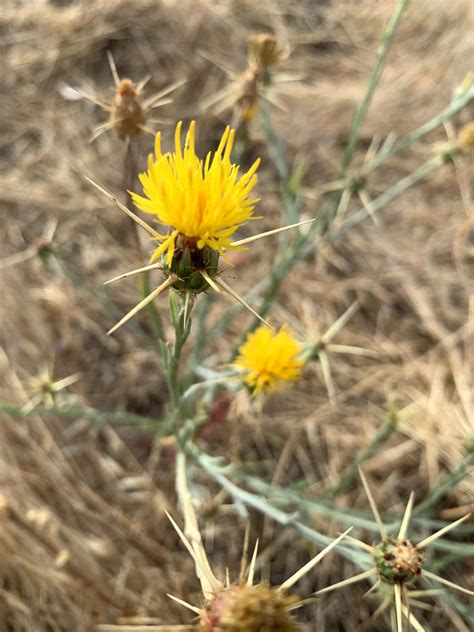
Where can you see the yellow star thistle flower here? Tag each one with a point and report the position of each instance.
(269, 358)
(203, 202)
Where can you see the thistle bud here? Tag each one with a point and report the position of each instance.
(127, 115)
(397, 561)
(248, 609)
(189, 262)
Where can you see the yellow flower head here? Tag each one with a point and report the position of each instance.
(203, 202)
(269, 358)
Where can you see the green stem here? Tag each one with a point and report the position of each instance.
(243, 497)
(361, 112)
(293, 501)
(155, 317)
(181, 305)
(443, 488)
(269, 286)
(452, 109)
(379, 202)
(201, 313)
(76, 411)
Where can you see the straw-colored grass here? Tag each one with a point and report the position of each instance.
(83, 533)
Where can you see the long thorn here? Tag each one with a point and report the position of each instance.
(406, 518)
(245, 550)
(398, 606)
(441, 580)
(352, 580)
(153, 266)
(340, 322)
(441, 532)
(186, 309)
(253, 562)
(223, 285)
(373, 506)
(374, 586)
(367, 202)
(362, 545)
(211, 281)
(142, 83)
(123, 208)
(327, 374)
(113, 68)
(184, 603)
(158, 95)
(183, 538)
(413, 621)
(267, 233)
(307, 567)
(159, 290)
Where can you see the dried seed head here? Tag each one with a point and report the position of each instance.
(127, 115)
(397, 561)
(249, 609)
(264, 51)
(466, 138)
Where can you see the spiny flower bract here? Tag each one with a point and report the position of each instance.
(397, 562)
(269, 358)
(204, 202)
(243, 608)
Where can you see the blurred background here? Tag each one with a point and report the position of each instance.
(83, 536)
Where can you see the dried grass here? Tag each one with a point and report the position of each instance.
(83, 538)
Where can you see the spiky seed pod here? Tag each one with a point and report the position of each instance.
(264, 51)
(465, 139)
(257, 608)
(127, 115)
(189, 262)
(397, 561)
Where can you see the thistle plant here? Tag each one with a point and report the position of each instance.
(397, 563)
(257, 82)
(195, 207)
(203, 203)
(243, 605)
(129, 112)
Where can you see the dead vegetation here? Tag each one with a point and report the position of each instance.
(83, 535)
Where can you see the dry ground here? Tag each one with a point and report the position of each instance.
(83, 537)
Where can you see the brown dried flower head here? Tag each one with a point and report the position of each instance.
(264, 52)
(127, 115)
